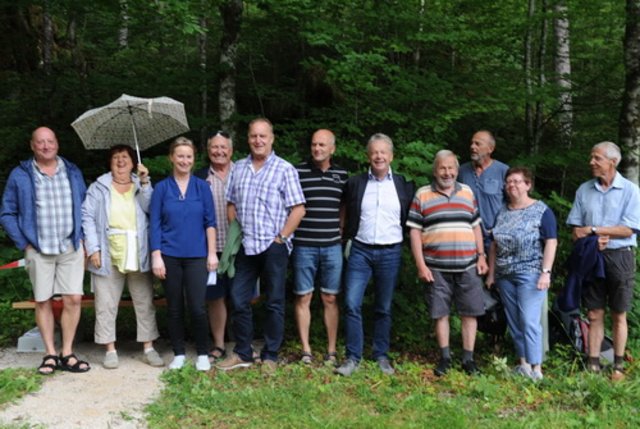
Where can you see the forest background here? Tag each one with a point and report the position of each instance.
(550, 78)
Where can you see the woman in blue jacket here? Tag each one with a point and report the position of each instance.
(183, 249)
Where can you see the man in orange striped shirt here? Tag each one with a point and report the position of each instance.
(447, 245)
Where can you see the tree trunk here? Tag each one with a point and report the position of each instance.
(417, 52)
(123, 32)
(542, 80)
(231, 12)
(202, 49)
(528, 70)
(562, 63)
(47, 39)
(629, 124)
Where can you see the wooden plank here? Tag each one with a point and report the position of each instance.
(86, 303)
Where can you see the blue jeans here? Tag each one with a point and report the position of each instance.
(384, 264)
(308, 261)
(270, 267)
(523, 306)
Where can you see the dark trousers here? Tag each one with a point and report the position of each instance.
(186, 277)
(271, 267)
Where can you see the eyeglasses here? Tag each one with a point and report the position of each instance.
(513, 182)
(219, 133)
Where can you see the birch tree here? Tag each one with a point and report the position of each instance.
(629, 124)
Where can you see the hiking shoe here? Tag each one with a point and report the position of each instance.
(177, 362)
(152, 357)
(307, 358)
(202, 363)
(444, 365)
(110, 360)
(536, 375)
(233, 361)
(470, 367)
(385, 366)
(523, 370)
(347, 368)
(268, 367)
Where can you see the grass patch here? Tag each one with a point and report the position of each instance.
(299, 396)
(15, 383)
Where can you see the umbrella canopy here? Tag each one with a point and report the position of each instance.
(139, 122)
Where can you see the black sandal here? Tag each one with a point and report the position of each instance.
(51, 366)
(213, 357)
(76, 367)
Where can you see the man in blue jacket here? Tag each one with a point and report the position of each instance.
(41, 212)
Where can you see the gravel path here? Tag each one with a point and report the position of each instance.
(98, 399)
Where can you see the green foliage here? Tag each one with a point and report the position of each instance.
(15, 383)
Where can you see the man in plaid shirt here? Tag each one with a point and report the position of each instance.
(41, 214)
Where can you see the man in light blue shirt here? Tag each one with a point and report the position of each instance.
(485, 176)
(608, 206)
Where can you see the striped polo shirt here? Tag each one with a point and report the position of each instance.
(446, 222)
(323, 191)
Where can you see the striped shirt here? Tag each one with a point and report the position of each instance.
(263, 200)
(54, 209)
(323, 192)
(218, 189)
(447, 222)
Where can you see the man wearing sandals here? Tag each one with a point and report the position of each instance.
(317, 247)
(608, 206)
(41, 212)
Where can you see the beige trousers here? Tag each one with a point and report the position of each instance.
(108, 290)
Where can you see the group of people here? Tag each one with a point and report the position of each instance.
(474, 226)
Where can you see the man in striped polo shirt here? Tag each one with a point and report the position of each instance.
(447, 245)
(317, 244)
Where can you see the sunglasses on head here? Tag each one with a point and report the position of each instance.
(219, 133)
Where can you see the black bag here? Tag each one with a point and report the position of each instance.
(494, 321)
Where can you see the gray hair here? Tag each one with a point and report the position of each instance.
(377, 137)
(441, 154)
(222, 134)
(611, 151)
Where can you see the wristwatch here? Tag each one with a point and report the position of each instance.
(546, 270)
(283, 238)
(594, 230)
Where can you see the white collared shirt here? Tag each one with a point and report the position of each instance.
(380, 212)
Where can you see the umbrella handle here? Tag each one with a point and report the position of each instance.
(135, 135)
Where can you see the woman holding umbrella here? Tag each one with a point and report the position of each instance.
(183, 249)
(115, 224)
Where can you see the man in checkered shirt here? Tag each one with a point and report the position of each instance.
(41, 214)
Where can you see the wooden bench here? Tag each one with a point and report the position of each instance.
(87, 302)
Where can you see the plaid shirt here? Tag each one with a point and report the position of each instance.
(263, 200)
(54, 209)
(218, 190)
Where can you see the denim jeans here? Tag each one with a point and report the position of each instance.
(384, 264)
(270, 267)
(523, 306)
(325, 262)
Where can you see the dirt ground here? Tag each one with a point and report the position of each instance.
(99, 398)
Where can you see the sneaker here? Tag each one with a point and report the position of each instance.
(307, 358)
(470, 367)
(110, 360)
(268, 367)
(177, 362)
(444, 365)
(233, 361)
(152, 357)
(202, 363)
(385, 366)
(347, 368)
(536, 375)
(523, 370)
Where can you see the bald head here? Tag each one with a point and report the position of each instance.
(44, 145)
(323, 146)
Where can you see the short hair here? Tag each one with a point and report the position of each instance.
(526, 173)
(379, 136)
(261, 119)
(221, 133)
(333, 136)
(611, 151)
(181, 141)
(492, 138)
(122, 148)
(443, 153)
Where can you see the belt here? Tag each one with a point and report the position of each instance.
(377, 246)
(620, 249)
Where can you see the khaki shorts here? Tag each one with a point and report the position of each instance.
(55, 274)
